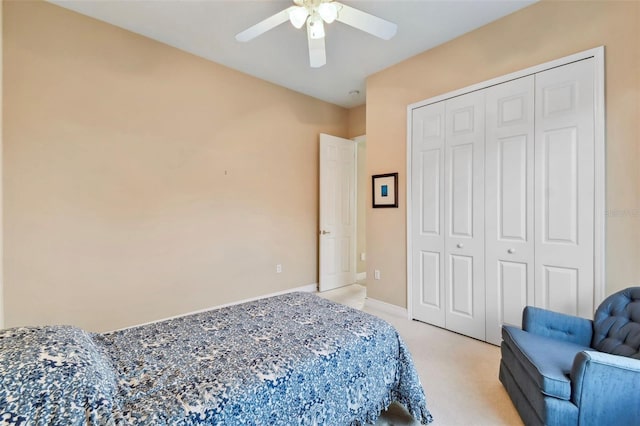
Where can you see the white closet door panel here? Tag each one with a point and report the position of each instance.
(430, 295)
(564, 174)
(464, 214)
(461, 285)
(514, 282)
(512, 186)
(509, 154)
(430, 192)
(461, 181)
(427, 177)
(560, 176)
(561, 288)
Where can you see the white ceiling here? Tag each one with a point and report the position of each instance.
(207, 28)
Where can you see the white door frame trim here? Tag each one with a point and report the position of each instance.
(359, 140)
(599, 134)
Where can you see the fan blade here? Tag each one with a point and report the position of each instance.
(264, 26)
(317, 55)
(366, 22)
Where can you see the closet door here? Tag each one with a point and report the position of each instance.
(509, 219)
(564, 179)
(464, 214)
(427, 212)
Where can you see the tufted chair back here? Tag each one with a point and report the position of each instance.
(616, 325)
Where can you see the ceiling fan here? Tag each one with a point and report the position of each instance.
(315, 13)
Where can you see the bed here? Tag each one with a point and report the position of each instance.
(290, 359)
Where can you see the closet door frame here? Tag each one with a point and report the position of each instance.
(599, 135)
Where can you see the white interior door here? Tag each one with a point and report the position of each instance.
(564, 180)
(427, 214)
(464, 214)
(337, 232)
(509, 240)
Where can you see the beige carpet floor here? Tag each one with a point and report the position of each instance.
(459, 374)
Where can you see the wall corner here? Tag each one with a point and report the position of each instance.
(1, 178)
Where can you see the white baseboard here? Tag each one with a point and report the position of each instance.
(361, 276)
(310, 288)
(386, 307)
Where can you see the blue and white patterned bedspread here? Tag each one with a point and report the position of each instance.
(291, 359)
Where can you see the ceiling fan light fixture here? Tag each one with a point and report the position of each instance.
(315, 13)
(298, 16)
(315, 27)
(328, 11)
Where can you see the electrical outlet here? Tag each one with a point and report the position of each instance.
(363, 257)
(376, 274)
(278, 268)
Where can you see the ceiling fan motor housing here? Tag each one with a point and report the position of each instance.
(313, 12)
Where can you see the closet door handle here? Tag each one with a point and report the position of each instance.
(511, 251)
(459, 245)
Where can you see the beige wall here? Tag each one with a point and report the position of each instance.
(1, 229)
(536, 34)
(357, 117)
(143, 182)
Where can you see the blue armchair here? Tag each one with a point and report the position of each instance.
(564, 370)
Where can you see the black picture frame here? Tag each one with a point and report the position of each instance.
(384, 190)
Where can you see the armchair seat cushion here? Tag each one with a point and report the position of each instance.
(546, 361)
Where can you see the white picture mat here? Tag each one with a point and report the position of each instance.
(390, 183)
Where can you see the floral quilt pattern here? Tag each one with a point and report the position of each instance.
(295, 359)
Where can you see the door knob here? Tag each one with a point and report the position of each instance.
(459, 245)
(323, 232)
(511, 251)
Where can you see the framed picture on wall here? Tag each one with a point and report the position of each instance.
(385, 190)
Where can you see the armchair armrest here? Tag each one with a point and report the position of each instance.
(557, 326)
(606, 388)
